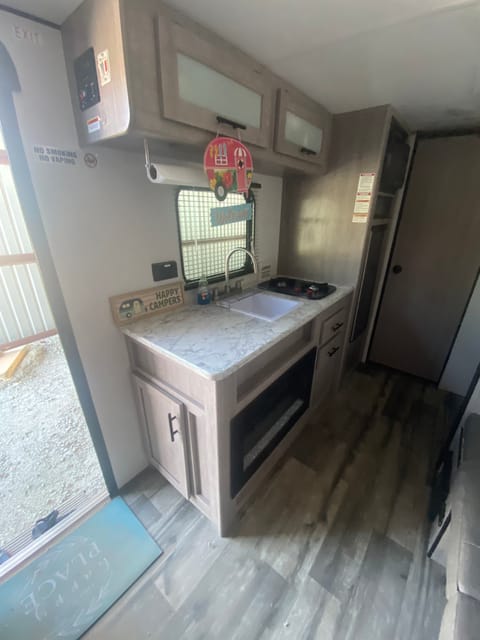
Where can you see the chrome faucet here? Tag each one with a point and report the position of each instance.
(227, 260)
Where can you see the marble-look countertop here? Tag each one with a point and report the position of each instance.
(214, 341)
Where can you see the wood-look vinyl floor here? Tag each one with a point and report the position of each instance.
(332, 548)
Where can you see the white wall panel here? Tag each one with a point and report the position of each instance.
(105, 227)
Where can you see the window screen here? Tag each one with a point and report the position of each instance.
(204, 247)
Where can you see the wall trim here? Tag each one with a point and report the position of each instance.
(29, 16)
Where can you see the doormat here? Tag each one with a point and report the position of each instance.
(64, 591)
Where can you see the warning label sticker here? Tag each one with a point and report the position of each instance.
(363, 197)
(103, 63)
(54, 155)
(94, 124)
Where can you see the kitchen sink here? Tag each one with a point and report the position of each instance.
(263, 306)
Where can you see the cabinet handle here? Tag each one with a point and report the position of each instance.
(307, 151)
(170, 426)
(337, 326)
(230, 123)
(333, 351)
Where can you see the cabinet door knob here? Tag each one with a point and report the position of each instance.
(333, 351)
(337, 326)
(397, 269)
(170, 426)
(231, 123)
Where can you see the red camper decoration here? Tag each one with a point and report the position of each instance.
(228, 165)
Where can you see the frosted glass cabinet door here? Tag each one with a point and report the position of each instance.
(202, 79)
(303, 128)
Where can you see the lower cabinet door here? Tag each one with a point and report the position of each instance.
(162, 417)
(327, 369)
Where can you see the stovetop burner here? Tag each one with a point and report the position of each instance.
(298, 288)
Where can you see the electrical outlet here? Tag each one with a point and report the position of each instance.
(265, 271)
(164, 270)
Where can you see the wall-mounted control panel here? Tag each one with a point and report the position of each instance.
(86, 78)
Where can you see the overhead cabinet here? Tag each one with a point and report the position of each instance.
(302, 128)
(142, 70)
(204, 84)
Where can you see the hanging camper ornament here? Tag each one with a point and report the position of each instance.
(228, 165)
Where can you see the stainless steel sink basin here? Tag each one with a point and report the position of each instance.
(264, 306)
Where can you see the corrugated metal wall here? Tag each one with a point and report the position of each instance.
(24, 310)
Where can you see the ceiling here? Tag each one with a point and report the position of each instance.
(422, 56)
(56, 11)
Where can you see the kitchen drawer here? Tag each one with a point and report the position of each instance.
(333, 325)
(327, 369)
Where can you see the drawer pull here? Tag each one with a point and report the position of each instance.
(308, 152)
(170, 426)
(333, 351)
(337, 326)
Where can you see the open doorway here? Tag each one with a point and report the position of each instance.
(48, 464)
(434, 264)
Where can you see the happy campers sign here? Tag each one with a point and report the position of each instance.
(140, 304)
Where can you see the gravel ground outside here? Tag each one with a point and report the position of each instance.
(46, 454)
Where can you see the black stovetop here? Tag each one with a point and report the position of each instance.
(298, 288)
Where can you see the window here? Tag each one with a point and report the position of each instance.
(203, 247)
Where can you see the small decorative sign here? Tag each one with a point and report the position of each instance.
(140, 304)
(228, 165)
(226, 215)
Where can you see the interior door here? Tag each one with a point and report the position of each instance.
(435, 259)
